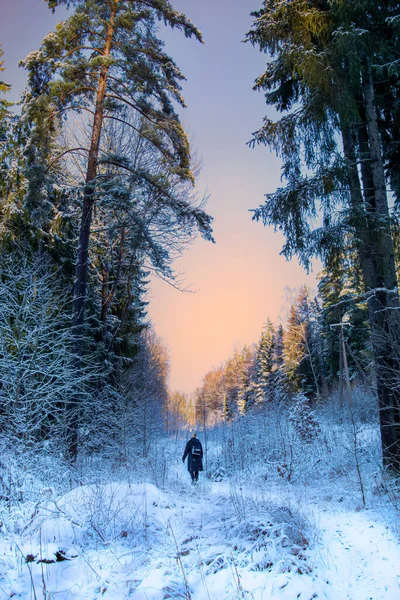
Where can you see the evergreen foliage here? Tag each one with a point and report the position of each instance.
(4, 105)
(96, 181)
(106, 160)
(333, 74)
(264, 363)
(102, 64)
(303, 360)
(11, 167)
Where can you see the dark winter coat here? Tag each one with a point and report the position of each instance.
(195, 463)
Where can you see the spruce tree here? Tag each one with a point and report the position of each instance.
(7, 143)
(333, 72)
(237, 381)
(265, 364)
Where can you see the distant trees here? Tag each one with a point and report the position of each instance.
(333, 74)
(296, 365)
(211, 397)
(177, 413)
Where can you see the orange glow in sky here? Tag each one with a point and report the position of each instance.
(240, 280)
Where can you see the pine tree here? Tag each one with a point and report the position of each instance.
(101, 65)
(280, 381)
(8, 150)
(107, 56)
(247, 398)
(237, 381)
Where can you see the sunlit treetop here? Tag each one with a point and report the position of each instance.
(163, 9)
(117, 38)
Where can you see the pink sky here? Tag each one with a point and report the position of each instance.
(240, 280)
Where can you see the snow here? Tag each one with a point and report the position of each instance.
(362, 558)
(250, 537)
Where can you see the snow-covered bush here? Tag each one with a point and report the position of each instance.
(303, 419)
(363, 407)
(297, 444)
(262, 536)
(100, 513)
(37, 361)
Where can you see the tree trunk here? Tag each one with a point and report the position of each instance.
(386, 330)
(82, 261)
(105, 298)
(81, 269)
(375, 248)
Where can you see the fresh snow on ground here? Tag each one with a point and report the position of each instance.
(361, 557)
(257, 537)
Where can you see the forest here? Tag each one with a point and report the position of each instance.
(301, 428)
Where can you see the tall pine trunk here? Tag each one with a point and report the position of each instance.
(82, 261)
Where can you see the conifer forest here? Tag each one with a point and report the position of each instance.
(297, 495)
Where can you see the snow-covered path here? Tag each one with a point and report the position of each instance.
(359, 556)
(354, 557)
(217, 541)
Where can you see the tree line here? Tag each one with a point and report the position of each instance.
(298, 362)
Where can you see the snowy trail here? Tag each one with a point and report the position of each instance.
(356, 557)
(361, 556)
(217, 541)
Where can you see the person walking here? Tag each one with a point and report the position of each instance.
(194, 452)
